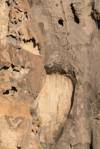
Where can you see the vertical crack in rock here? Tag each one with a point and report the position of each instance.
(76, 17)
(54, 103)
(91, 145)
(95, 15)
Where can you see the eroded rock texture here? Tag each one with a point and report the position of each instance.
(49, 74)
(21, 76)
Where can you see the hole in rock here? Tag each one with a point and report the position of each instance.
(6, 92)
(14, 89)
(18, 147)
(4, 67)
(26, 14)
(8, 3)
(32, 130)
(17, 68)
(18, 49)
(76, 18)
(14, 68)
(61, 22)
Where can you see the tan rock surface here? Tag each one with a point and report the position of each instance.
(54, 102)
(49, 74)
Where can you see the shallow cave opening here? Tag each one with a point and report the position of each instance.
(76, 18)
(61, 22)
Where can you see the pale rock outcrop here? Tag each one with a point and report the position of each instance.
(54, 102)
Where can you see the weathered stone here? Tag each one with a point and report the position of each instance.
(54, 102)
(49, 74)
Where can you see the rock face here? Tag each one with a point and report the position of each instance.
(54, 103)
(49, 74)
(25, 86)
(21, 75)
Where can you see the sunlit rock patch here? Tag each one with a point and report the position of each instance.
(54, 103)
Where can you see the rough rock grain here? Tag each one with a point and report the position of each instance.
(49, 74)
